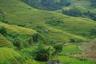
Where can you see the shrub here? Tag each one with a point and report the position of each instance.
(41, 54)
(90, 15)
(55, 22)
(17, 43)
(72, 40)
(92, 32)
(93, 3)
(3, 31)
(35, 37)
(58, 48)
(2, 16)
(72, 12)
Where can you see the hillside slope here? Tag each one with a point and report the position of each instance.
(81, 8)
(5, 42)
(26, 16)
(16, 35)
(38, 36)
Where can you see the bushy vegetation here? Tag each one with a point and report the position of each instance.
(48, 4)
(41, 54)
(2, 16)
(93, 32)
(4, 42)
(93, 3)
(72, 12)
(3, 31)
(58, 48)
(78, 11)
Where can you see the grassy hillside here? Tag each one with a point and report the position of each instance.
(17, 35)
(4, 42)
(6, 58)
(24, 15)
(17, 29)
(81, 8)
(38, 35)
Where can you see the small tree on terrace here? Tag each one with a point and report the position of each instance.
(2, 16)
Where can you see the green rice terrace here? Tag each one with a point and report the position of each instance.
(47, 32)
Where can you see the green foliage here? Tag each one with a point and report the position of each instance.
(55, 22)
(93, 3)
(5, 42)
(2, 16)
(72, 12)
(58, 48)
(93, 32)
(19, 36)
(41, 54)
(48, 4)
(35, 38)
(3, 31)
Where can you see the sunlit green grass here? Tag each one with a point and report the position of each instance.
(8, 55)
(5, 42)
(69, 60)
(17, 29)
(71, 49)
